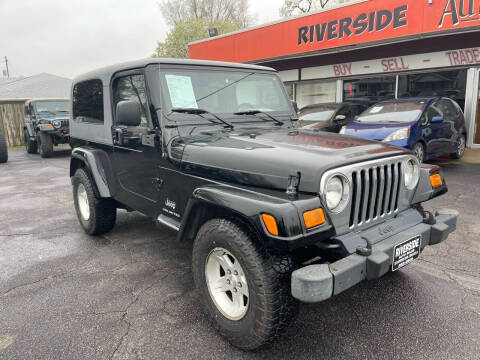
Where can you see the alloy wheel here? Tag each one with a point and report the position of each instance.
(227, 284)
(461, 146)
(83, 204)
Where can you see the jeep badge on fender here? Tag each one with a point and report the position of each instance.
(276, 214)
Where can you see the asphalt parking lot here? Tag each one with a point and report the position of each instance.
(130, 294)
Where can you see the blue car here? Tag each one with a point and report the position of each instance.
(429, 127)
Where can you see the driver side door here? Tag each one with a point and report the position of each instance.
(136, 154)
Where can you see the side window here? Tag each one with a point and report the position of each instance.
(88, 102)
(132, 88)
(433, 110)
(449, 111)
(346, 110)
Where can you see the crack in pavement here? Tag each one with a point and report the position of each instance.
(125, 312)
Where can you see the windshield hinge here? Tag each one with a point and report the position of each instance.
(293, 182)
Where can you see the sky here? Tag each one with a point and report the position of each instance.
(70, 37)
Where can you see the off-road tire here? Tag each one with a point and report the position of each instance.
(271, 307)
(45, 144)
(103, 212)
(460, 148)
(30, 145)
(3, 149)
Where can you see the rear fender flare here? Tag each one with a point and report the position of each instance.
(99, 168)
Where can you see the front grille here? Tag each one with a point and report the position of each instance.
(64, 123)
(375, 192)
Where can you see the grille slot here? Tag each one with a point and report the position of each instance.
(64, 123)
(375, 192)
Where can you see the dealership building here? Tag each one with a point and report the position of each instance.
(368, 50)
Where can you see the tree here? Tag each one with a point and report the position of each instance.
(298, 7)
(236, 11)
(191, 19)
(186, 31)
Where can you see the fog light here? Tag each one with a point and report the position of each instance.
(270, 224)
(436, 180)
(314, 218)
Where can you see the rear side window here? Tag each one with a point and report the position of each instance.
(88, 102)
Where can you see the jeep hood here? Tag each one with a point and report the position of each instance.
(266, 157)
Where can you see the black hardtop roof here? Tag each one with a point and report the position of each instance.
(107, 72)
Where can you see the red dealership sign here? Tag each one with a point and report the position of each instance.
(364, 22)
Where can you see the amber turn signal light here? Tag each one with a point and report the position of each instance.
(270, 224)
(314, 218)
(436, 180)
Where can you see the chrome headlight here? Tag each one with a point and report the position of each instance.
(412, 174)
(336, 193)
(57, 124)
(400, 134)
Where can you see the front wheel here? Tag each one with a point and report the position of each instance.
(461, 145)
(419, 151)
(96, 215)
(45, 145)
(245, 291)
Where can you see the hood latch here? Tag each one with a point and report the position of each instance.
(293, 182)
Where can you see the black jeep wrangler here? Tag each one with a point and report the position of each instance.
(46, 125)
(276, 213)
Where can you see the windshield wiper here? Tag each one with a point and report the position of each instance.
(256, 112)
(201, 112)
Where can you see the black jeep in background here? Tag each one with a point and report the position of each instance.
(277, 214)
(46, 125)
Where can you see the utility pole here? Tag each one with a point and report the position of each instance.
(6, 65)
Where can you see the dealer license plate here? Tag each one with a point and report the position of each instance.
(406, 252)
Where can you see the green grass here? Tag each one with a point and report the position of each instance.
(16, 147)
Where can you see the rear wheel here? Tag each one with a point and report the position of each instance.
(30, 145)
(419, 151)
(45, 144)
(96, 215)
(245, 290)
(461, 145)
(3, 149)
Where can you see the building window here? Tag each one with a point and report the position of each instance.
(88, 102)
(309, 93)
(370, 89)
(451, 84)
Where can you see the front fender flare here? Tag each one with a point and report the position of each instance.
(247, 206)
(99, 167)
(30, 130)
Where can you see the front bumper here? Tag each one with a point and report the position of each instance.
(315, 283)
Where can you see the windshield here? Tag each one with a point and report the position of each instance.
(319, 113)
(60, 107)
(398, 112)
(223, 91)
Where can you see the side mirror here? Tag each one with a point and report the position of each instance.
(129, 113)
(437, 119)
(295, 106)
(340, 117)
